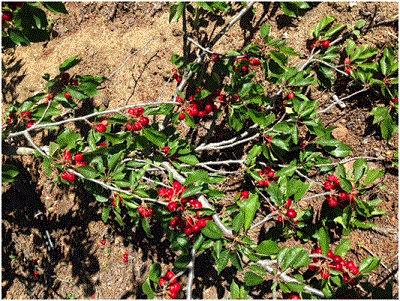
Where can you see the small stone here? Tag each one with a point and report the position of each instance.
(340, 133)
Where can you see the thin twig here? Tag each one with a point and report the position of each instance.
(36, 126)
(316, 196)
(349, 160)
(30, 140)
(190, 267)
(344, 98)
(264, 220)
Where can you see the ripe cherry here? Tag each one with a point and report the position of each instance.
(245, 69)
(325, 44)
(176, 287)
(163, 281)
(68, 176)
(215, 57)
(196, 229)
(332, 202)
(332, 178)
(137, 127)
(129, 126)
(255, 62)
(291, 213)
(201, 114)
(126, 257)
(103, 242)
(177, 186)
(337, 259)
(197, 205)
(68, 96)
(348, 71)
(178, 80)
(144, 121)
(188, 231)
(35, 274)
(291, 95)
(330, 254)
(395, 100)
(79, 157)
(202, 223)
(166, 150)
(67, 155)
(295, 297)
(328, 186)
(170, 275)
(350, 265)
(325, 274)
(355, 270)
(245, 194)
(347, 61)
(80, 164)
(29, 124)
(173, 295)
(343, 196)
(182, 116)
(7, 16)
(101, 128)
(288, 203)
(172, 206)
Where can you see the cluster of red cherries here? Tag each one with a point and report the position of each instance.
(138, 121)
(22, 117)
(243, 63)
(341, 198)
(200, 107)
(184, 221)
(145, 210)
(335, 262)
(318, 44)
(170, 284)
(268, 176)
(77, 160)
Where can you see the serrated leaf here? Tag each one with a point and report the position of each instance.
(268, 247)
(189, 159)
(369, 264)
(222, 261)
(234, 290)
(148, 290)
(192, 191)
(360, 167)
(88, 172)
(155, 137)
(182, 261)
(324, 241)
(251, 279)
(250, 209)
(155, 272)
(343, 247)
(197, 175)
(372, 175)
(212, 231)
(105, 214)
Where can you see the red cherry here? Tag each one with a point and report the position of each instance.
(332, 178)
(288, 203)
(74, 82)
(173, 223)
(132, 111)
(188, 231)
(177, 186)
(245, 69)
(355, 270)
(163, 281)
(350, 265)
(193, 111)
(179, 99)
(144, 121)
(318, 251)
(166, 150)
(337, 259)
(347, 61)
(346, 277)
(126, 259)
(182, 116)
(202, 223)
(332, 202)
(271, 174)
(196, 229)
(172, 206)
(35, 274)
(137, 127)
(101, 128)
(328, 186)
(129, 126)
(269, 139)
(339, 267)
(313, 268)
(79, 157)
(68, 176)
(176, 287)
(353, 281)
(7, 16)
(103, 242)
(325, 274)
(67, 155)
(80, 164)
(325, 44)
(291, 95)
(140, 111)
(295, 297)
(202, 114)
(215, 57)
(102, 144)
(208, 108)
(255, 62)
(178, 80)
(343, 196)
(197, 205)
(173, 295)
(330, 254)
(395, 100)
(291, 213)
(245, 194)
(348, 71)
(68, 96)
(170, 275)
(27, 114)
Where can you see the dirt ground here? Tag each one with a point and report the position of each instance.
(104, 35)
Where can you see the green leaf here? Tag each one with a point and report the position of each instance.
(268, 247)
(296, 258)
(69, 63)
(197, 175)
(334, 30)
(278, 58)
(372, 175)
(148, 290)
(238, 221)
(189, 159)
(88, 172)
(182, 261)
(9, 173)
(113, 160)
(387, 128)
(156, 137)
(301, 190)
(324, 241)
(250, 209)
(322, 25)
(68, 139)
(212, 231)
(222, 261)
(346, 185)
(251, 279)
(343, 247)
(264, 31)
(369, 264)
(192, 191)
(360, 167)
(105, 214)
(234, 290)
(155, 272)
(55, 7)
(18, 37)
(253, 154)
